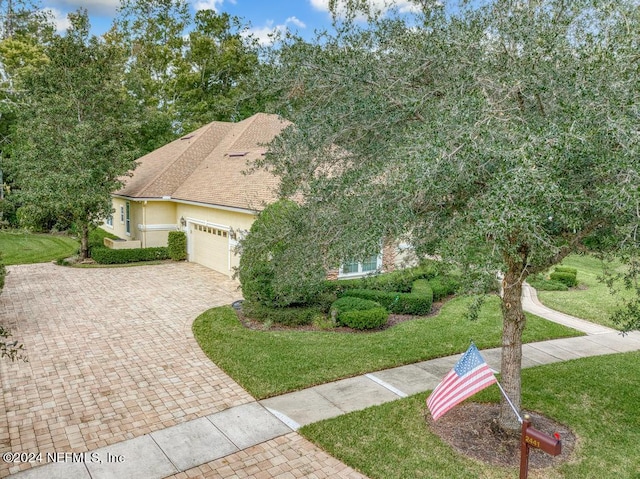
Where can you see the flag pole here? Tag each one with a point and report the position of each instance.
(509, 401)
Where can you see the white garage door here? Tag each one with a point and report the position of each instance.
(209, 247)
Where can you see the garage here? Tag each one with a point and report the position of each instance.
(209, 246)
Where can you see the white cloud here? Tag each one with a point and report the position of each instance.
(264, 34)
(94, 7)
(60, 19)
(295, 21)
(207, 5)
(404, 6)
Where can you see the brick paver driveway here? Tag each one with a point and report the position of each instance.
(111, 354)
(112, 357)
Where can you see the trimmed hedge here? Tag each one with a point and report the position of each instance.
(396, 281)
(287, 316)
(443, 286)
(566, 269)
(177, 245)
(352, 303)
(359, 313)
(568, 279)
(399, 303)
(105, 255)
(367, 319)
(422, 287)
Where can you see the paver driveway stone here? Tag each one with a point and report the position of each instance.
(111, 355)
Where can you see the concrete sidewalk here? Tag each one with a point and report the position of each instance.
(177, 450)
(168, 451)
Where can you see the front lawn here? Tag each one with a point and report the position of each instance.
(591, 300)
(592, 396)
(269, 363)
(18, 247)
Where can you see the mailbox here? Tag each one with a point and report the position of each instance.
(540, 440)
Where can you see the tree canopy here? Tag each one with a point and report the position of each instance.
(74, 135)
(500, 135)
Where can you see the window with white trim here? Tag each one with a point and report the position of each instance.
(360, 268)
(109, 221)
(122, 214)
(127, 218)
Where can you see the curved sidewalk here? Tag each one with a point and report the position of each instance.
(333, 399)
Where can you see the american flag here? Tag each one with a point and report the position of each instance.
(470, 375)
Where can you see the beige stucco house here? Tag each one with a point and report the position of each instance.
(198, 184)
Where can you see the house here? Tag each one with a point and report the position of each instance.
(198, 184)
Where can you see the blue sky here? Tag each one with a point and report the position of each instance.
(264, 16)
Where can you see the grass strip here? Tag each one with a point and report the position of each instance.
(269, 363)
(19, 247)
(596, 397)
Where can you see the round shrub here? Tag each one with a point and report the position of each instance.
(365, 319)
(352, 303)
(443, 286)
(568, 279)
(399, 303)
(359, 313)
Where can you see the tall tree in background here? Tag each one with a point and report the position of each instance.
(24, 30)
(74, 136)
(211, 83)
(153, 34)
(497, 134)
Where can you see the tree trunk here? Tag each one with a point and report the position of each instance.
(84, 241)
(513, 324)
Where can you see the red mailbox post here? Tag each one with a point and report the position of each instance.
(533, 438)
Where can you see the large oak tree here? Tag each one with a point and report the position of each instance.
(499, 134)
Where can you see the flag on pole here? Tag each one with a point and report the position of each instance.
(470, 375)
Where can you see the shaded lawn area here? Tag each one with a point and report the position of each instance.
(18, 247)
(596, 397)
(269, 363)
(592, 300)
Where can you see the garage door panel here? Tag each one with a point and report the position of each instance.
(210, 247)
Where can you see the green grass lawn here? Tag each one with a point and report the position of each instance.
(18, 247)
(589, 395)
(593, 300)
(268, 363)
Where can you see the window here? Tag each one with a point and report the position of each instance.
(122, 214)
(109, 221)
(128, 218)
(353, 268)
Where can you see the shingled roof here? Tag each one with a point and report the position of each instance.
(207, 165)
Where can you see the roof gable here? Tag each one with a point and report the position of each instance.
(207, 166)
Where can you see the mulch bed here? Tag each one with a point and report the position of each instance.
(472, 430)
(391, 321)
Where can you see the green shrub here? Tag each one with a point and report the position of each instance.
(352, 303)
(177, 245)
(568, 279)
(566, 269)
(104, 255)
(422, 287)
(288, 316)
(269, 269)
(443, 286)
(399, 303)
(365, 319)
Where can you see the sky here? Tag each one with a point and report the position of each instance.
(264, 16)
